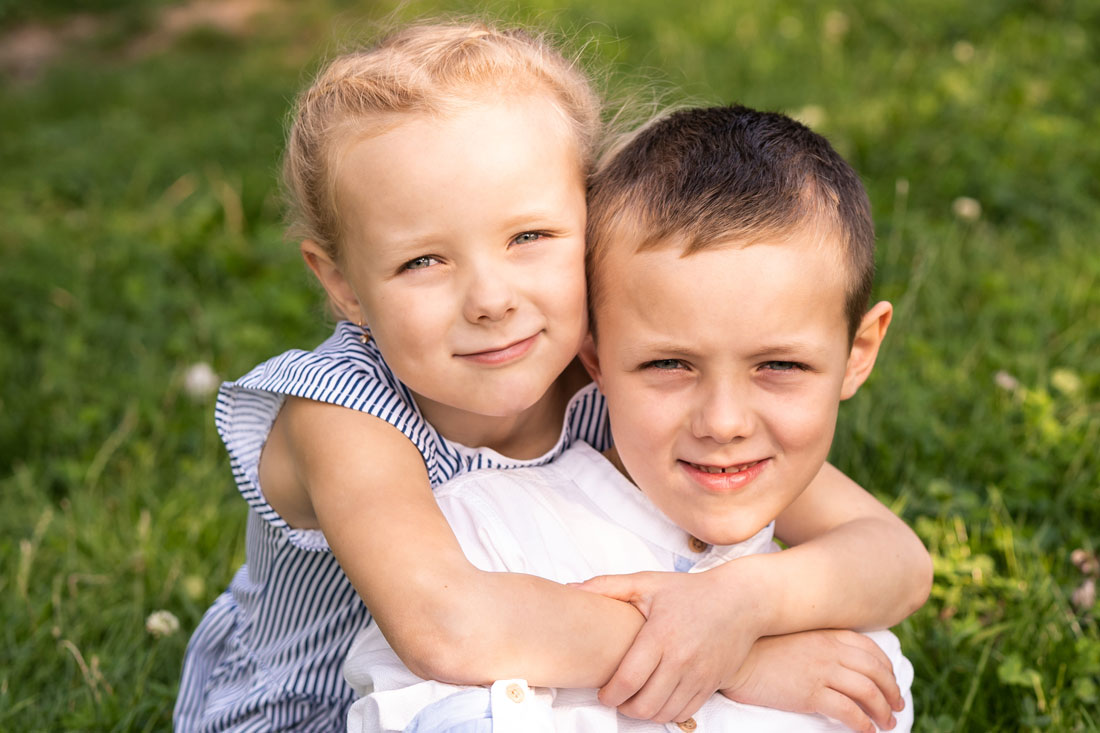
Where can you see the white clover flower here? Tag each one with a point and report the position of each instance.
(200, 380)
(162, 623)
(966, 208)
(1085, 596)
(1006, 381)
(1085, 561)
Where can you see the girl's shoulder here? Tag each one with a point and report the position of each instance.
(342, 371)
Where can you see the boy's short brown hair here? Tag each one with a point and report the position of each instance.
(717, 175)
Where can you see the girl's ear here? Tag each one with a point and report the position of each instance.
(861, 358)
(590, 359)
(340, 293)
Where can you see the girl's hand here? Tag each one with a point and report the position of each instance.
(841, 674)
(696, 634)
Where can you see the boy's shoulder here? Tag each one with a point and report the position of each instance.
(576, 466)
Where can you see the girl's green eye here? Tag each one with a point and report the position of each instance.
(527, 238)
(420, 263)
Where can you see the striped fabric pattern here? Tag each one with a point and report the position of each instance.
(267, 655)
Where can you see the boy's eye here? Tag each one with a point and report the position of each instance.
(527, 238)
(419, 263)
(785, 366)
(664, 364)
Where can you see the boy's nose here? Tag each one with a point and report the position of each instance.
(723, 415)
(490, 296)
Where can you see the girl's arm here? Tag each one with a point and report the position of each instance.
(452, 622)
(369, 492)
(852, 564)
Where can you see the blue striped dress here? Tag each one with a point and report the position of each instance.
(267, 655)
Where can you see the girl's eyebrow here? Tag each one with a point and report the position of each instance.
(536, 216)
(412, 243)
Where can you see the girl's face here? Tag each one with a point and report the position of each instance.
(464, 253)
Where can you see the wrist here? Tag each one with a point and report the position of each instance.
(750, 589)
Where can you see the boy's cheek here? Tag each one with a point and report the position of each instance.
(804, 428)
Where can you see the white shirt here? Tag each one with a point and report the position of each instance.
(567, 521)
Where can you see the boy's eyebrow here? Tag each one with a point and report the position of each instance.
(669, 348)
(788, 348)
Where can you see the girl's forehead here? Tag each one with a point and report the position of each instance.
(487, 168)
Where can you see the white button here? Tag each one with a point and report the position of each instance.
(514, 692)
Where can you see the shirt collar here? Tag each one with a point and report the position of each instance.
(623, 503)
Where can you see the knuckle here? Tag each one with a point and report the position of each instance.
(865, 689)
(640, 709)
(854, 638)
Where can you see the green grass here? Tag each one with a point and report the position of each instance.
(141, 234)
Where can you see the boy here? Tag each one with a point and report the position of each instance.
(730, 264)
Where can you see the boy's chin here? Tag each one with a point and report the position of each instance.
(725, 535)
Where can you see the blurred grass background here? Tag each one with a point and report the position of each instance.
(140, 236)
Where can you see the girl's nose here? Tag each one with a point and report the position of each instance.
(490, 296)
(723, 415)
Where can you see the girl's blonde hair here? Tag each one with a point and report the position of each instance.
(423, 68)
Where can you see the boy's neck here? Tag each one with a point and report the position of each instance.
(612, 456)
(527, 435)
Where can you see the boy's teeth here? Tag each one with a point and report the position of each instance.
(730, 469)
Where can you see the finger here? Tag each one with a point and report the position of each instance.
(669, 689)
(672, 709)
(865, 692)
(692, 706)
(867, 658)
(832, 704)
(650, 700)
(634, 671)
(620, 587)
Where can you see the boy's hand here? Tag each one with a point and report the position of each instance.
(841, 674)
(693, 642)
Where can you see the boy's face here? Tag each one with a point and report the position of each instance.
(723, 371)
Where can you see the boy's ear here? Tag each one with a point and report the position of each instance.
(861, 358)
(589, 358)
(340, 292)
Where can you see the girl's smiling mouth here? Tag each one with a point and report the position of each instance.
(503, 355)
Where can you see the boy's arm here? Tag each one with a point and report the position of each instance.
(852, 564)
(446, 619)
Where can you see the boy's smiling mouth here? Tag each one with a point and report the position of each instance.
(726, 469)
(724, 479)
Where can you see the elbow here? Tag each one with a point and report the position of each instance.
(927, 573)
(922, 576)
(437, 663)
(446, 640)
(444, 659)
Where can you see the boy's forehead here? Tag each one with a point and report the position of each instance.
(633, 251)
(668, 279)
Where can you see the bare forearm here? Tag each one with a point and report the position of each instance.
(866, 574)
(486, 626)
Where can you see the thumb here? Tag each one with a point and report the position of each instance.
(631, 588)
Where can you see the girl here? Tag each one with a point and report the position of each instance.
(438, 186)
